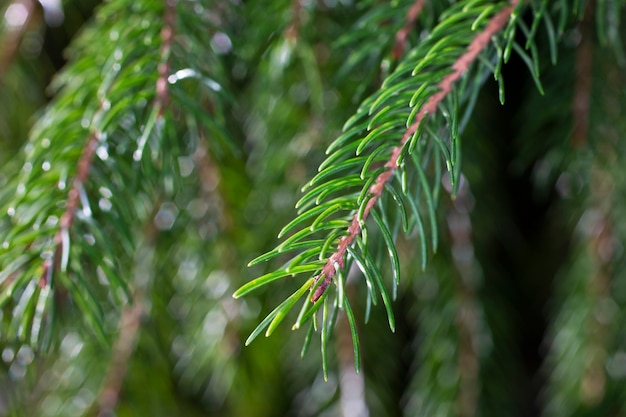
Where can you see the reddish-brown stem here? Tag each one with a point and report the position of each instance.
(14, 32)
(403, 33)
(337, 259)
(582, 87)
(467, 317)
(167, 37)
(130, 322)
(209, 175)
(293, 30)
(71, 205)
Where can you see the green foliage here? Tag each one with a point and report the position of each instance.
(171, 153)
(70, 234)
(339, 196)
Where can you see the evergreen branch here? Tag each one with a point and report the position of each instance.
(583, 345)
(413, 121)
(119, 95)
(61, 238)
(130, 318)
(460, 66)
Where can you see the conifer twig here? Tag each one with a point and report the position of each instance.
(167, 37)
(337, 259)
(61, 238)
(130, 320)
(403, 33)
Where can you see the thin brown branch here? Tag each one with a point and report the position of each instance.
(351, 383)
(403, 33)
(18, 17)
(129, 325)
(293, 30)
(123, 348)
(467, 318)
(71, 204)
(167, 37)
(600, 246)
(210, 177)
(337, 259)
(582, 87)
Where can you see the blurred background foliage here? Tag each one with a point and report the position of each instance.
(522, 311)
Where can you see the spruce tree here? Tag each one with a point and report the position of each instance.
(428, 192)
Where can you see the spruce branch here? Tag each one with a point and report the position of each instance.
(77, 204)
(460, 66)
(130, 317)
(383, 174)
(61, 239)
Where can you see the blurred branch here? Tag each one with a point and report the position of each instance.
(210, 178)
(460, 229)
(351, 383)
(582, 86)
(123, 348)
(18, 17)
(403, 33)
(293, 30)
(600, 248)
(167, 37)
(61, 239)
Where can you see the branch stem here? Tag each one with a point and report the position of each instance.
(167, 37)
(403, 33)
(496, 23)
(73, 197)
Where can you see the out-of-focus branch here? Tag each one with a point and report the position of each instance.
(62, 237)
(209, 175)
(123, 348)
(351, 384)
(598, 230)
(460, 229)
(403, 33)
(167, 38)
(18, 17)
(582, 87)
(293, 30)
(600, 248)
